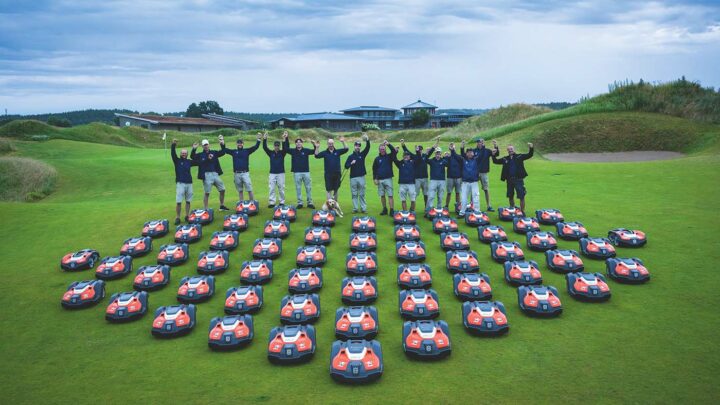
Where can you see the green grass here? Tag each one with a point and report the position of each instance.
(6, 146)
(649, 343)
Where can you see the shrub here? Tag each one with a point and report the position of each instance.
(6, 146)
(24, 179)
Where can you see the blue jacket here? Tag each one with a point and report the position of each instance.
(513, 167)
(241, 157)
(483, 154)
(383, 165)
(182, 167)
(454, 169)
(406, 170)
(421, 169)
(331, 159)
(471, 167)
(207, 162)
(437, 166)
(277, 159)
(299, 158)
(358, 169)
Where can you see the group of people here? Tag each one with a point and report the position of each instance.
(464, 173)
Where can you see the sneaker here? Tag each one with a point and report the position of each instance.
(299, 206)
(363, 211)
(461, 216)
(490, 208)
(311, 205)
(354, 211)
(384, 211)
(224, 208)
(187, 219)
(271, 206)
(392, 212)
(177, 220)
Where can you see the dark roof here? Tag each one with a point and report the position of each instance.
(420, 104)
(172, 120)
(228, 119)
(322, 116)
(369, 108)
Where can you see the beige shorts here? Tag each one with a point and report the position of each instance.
(385, 187)
(453, 184)
(484, 181)
(183, 192)
(243, 182)
(213, 179)
(407, 192)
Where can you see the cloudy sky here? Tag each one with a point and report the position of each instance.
(305, 56)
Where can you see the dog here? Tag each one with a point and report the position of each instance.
(332, 205)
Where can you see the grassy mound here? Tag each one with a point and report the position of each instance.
(617, 132)
(25, 179)
(31, 130)
(494, 118)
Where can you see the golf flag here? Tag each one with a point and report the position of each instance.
(164, 135)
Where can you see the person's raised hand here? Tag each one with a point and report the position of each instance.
(341, 139)
(174, 142)
(264, 136)
(462, 144)
(365, 136)
(402, 142)
(530, 145)
(285, 135)
(452, 146)
(195, 145)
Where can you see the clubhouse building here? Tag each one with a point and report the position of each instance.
(352, 119)
(349, 120)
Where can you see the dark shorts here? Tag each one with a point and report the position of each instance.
(332, 181)
(516, 186)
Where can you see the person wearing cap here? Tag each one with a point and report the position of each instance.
(483, 154)
(331, 160)
(437, 165)
(470, 177)
(453, 181)
(183, 179)
(241, 166)
(209, 170)
(276, 180)
(406, 179)
(421, 170)
(300, 167)
(382, 170)
(513, 172)
(356, 163)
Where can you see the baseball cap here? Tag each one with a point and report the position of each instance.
(357, 143)
(205, 142)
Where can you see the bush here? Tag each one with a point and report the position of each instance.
(370, 127)
(6, 146)
(59, 122)
(24, 179)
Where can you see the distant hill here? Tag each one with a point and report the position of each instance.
(495, 118)
(79, 117)
(558, 105)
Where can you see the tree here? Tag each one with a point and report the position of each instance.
(419, 118)
(204, 107)
(59, 122)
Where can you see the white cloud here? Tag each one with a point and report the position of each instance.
(251, 56)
